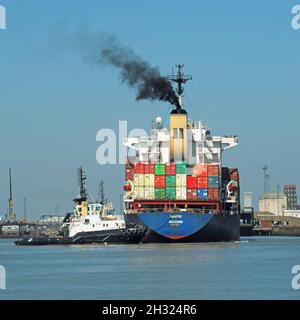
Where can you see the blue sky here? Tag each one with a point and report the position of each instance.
(244, 58)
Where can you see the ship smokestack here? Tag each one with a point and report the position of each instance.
(178, 120)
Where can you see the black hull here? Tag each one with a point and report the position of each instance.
(120, 236)
(219, 228)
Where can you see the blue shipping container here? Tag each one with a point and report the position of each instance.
(213, 182)
(203, 194)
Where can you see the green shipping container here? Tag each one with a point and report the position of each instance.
(170, 193)
(171, 181)
(181, 167)
(160, 169)
(160, 193)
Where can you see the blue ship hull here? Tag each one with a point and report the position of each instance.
(186, 226)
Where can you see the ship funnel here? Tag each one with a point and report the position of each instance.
(178, 135)
(179, 120)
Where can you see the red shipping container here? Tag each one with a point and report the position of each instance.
(151, 168)
(129, 165)
(146, 167)
(213, 194)
(129, 174)
(192, 194)
(171, 168)
(191, 182)
(160, 182)
(139, 168)
(200, 170)
(213, 170)
(202, 182)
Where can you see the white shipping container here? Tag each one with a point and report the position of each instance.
(184, 193)
(151, 179)
(180, 193)
(139, 180)
(180, 180)
(184, 180)
(139, 193)
(149, 193)
(152, 193)
(146, 180)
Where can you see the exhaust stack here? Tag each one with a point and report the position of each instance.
(178, 120)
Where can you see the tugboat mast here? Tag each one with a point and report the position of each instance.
(81, 182)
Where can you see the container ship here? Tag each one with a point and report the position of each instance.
(175, 184)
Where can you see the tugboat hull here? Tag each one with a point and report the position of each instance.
(118, 236)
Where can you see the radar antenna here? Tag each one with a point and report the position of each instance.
(180, 78)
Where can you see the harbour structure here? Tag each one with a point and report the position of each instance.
(290, 191)
(273, 202)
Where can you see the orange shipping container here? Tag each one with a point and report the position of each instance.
(160, 182)
(213, 194)
(192, 194)
(200, 170)
(213, 170)
(202, 182)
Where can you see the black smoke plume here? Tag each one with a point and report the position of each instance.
(135, 72)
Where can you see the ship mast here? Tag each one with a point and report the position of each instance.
(180, 78)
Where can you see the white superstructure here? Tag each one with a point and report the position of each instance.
(202, 147)
(93, 217)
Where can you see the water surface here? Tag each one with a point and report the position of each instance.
(254, 268)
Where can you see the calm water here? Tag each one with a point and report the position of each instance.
(255, 268)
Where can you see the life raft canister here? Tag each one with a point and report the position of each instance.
(127, 187)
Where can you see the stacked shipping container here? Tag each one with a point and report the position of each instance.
(170, 182)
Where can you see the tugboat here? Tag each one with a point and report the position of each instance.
(91, 222)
